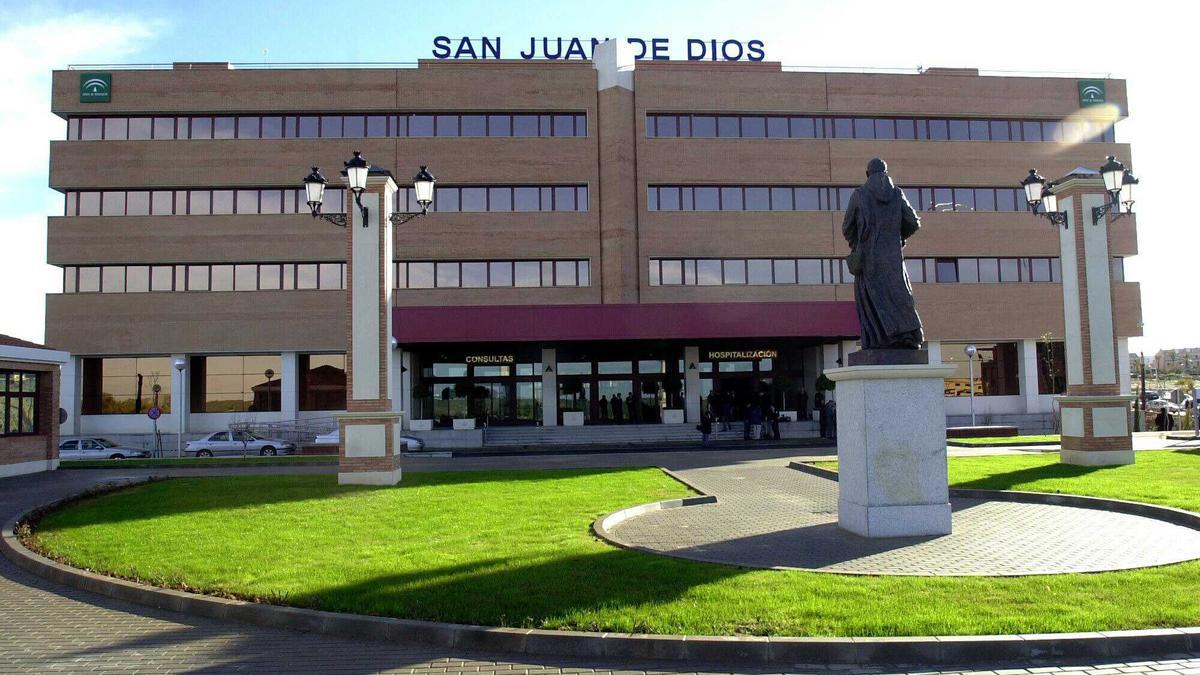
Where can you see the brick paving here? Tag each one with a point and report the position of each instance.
(770, 516)
(48, 628)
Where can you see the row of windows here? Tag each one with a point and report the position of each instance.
(887, 128)
(18, 403)
(813, 271)
(204, 277)
(544, 273)
(275, 201)
(493, 274)
(324, 126)
(499, 198)
(792, 198)
(229, 383)
(320, 276)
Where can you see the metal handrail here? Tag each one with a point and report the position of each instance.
(295, 431)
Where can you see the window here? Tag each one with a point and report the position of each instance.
(759, 272)
(995, 369)
(19, 409)
(734, 271)
(125, 386)
(236, 383)
(947, 271)
(322, 381)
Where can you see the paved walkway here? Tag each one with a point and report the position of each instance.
(45, 627)
(768, 515)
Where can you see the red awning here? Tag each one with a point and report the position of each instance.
(541, 323)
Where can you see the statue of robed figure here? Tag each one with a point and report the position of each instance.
(878, 221)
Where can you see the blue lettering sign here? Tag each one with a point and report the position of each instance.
(580, 49)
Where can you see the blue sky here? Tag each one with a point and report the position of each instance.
(1143, 46)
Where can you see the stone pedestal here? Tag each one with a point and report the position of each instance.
(369, 452)
(891, 427)
(1096, 430)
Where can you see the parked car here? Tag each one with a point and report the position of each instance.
(1160, 403)
(235, 443)
(333, 438)
(96, 448)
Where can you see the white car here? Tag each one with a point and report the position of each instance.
(235, 443)
(333, 437)
(1160, 403)
(96, 448)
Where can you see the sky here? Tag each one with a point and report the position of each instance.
(1147, 45)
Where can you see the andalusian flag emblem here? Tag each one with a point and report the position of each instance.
(1091, 92)
(95, 87)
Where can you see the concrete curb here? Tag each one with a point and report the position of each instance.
(953, 649)
(1165, 513)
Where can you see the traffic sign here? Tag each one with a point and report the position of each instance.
(153, 413)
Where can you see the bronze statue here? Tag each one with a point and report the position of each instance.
(878, 221)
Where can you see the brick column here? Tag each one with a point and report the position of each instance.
(1095, 416)
(368, 451)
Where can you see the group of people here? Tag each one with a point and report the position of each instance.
(619, 409)
(761, 421)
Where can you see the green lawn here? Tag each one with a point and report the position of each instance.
(197, 462)
(514, 549)
(1006, 440)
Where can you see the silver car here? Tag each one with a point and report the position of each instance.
(237, 443)
(96, 448)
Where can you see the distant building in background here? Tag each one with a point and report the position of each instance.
(1186, 360)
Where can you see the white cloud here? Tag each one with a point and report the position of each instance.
(30, 48)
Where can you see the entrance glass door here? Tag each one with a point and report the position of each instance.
(492, 402)
(611, 397)
(529, 402)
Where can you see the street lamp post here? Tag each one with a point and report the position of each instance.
(970, 351)
(180, 366)
(356, 172)
(1094, 412)
(369, 445)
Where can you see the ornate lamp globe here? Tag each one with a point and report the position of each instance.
(314, 188)
(423, 183)
(1127, 183)
(357, 169)
(1049, 199)
(1034, 185)
(1113, 172)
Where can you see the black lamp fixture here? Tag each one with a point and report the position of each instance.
(549, 369)
(356, 171)
(1118, 182)
(693, 366)
(1038, 191)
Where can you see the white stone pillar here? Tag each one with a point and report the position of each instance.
(1029, 376)
(550, 387)
(70, 395)
(830, 353)
(289, 385)
(369, 453)
(1095, 420)
(691, 365)
(1123, 365)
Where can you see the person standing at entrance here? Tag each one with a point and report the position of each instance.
(603, 408)
(756, 422)
(629, 406)
(615, 404)
(802, 409)
(726, 411)
(819, 408)
(705, 428)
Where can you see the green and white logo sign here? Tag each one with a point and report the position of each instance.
(95, 87)
(1091, 92)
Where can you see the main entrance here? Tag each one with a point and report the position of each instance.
(494, 389)
(619, 384)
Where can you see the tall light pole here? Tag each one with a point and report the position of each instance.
(368, 450)
(970, 351)
(1093, 411)
(177, 408)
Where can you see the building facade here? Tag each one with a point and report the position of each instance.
(605, 246)
(29, 406)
